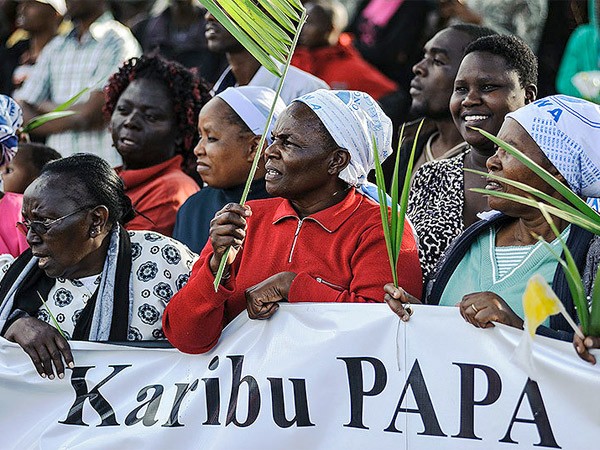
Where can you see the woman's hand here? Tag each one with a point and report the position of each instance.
(583, 347)
(398, 300)
(483, 308)
(228, 229)
(262, 298)
(44, 345)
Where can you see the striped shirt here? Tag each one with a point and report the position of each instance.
(67, 65)
(509, 257)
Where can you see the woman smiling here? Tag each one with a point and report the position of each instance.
(321, 241)
(153, 107)
(497, 75)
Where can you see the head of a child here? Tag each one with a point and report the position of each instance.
(26, 166)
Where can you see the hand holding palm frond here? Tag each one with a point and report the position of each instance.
(263, 27)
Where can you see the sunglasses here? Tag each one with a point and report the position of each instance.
(41, 227)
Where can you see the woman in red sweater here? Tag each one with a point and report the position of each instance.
(321, 241)
(153, 107)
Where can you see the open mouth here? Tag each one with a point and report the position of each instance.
(493, 185)
(42, 260)
(127, 142)
(474, 119)
(272, 174)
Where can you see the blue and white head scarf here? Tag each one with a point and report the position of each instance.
(11, 118)
(253, 104)
(353, 118)
(567, 130)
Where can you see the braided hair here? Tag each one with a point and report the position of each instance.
(189, 92)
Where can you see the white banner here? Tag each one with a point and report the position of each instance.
(315, 376)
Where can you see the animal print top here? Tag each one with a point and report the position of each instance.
(435, 208)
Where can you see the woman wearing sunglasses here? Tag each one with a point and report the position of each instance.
(85, 277)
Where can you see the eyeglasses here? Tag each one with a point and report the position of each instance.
(42, 227)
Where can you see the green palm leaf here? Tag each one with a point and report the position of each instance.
(567, 193)
(528, 189)
(57, 113)
(40, 120)
(571, 272)
(266, 37)
(582, 222)
(573, 210)
(393, 219)
(387, 217)
(594, 327)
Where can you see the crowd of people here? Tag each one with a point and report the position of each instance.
(123, 242)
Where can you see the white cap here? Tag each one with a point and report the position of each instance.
(58, 5)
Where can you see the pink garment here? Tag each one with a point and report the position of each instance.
(379, 12)
(12, 241)
(376, 15)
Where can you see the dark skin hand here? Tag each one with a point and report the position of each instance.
(228, 229)
(583, 347)
(262, 299)
(398, 300)
(44, 345)
(482, 308)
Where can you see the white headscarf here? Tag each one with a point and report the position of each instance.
(567, 130)
(353, 118)
(253, 104)
(11, 118)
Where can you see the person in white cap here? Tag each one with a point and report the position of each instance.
(38, 23)
(230, 127)
(83, 58)
(320, 241)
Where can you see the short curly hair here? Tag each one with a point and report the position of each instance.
(517, 54)
(189, 92)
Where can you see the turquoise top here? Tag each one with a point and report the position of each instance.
(477, 272)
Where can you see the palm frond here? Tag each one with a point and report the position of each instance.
(393, 220)
(265, 37)
(529, 190)
(57, 113)
(571, 273)
(263, 27)
(573, 210)
(567, 193)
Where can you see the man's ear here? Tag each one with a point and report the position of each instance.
(253, 147)
(340, 158)
(530, 93)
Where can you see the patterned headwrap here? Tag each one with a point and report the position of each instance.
(11, 118)
(567, 130)
(253, 104)
(353, 118)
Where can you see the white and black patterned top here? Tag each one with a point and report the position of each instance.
(435, 208)
(160, 266)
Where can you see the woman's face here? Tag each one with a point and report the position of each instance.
(298, 160)
(224, 153)
(67, 249)
(143, 125)
(485, 90)
(505, 165)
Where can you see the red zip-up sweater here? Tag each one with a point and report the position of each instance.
(338, 253)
